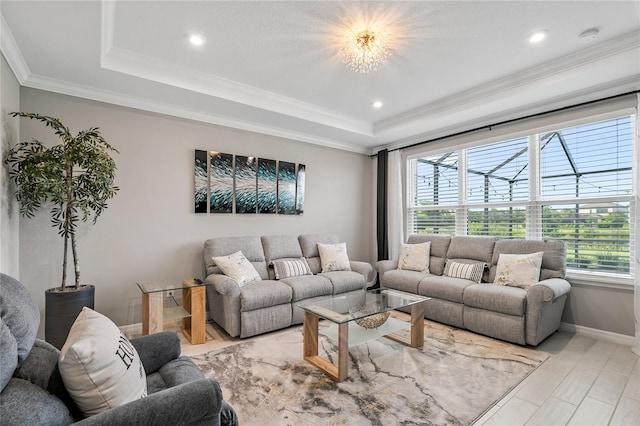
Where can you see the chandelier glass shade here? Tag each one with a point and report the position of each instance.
(365, 51)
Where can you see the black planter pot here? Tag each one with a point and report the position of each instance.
(62, 309)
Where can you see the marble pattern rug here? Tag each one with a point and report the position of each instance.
(453, 380)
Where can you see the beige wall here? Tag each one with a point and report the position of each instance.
(149, 232)
(9, 101)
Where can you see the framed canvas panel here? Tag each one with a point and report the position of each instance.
(300, 188)
(246, 174)
(286, 188)
(220, 182)
(201, 181)
(267, 186)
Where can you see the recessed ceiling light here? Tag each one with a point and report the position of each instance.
(196, 40)
(377, 104)
(537, 37)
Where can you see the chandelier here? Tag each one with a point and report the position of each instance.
(365, 51)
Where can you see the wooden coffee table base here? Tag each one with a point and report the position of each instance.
(340, 371)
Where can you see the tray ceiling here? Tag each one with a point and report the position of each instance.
(275, 67)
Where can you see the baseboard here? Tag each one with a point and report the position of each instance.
(607, 336)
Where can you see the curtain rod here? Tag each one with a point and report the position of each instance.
(501, 123)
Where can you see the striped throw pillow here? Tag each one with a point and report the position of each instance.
(467, 271)
(285, 268)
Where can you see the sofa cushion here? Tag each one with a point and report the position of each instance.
(438, 250)
(280, 247)
(304, 287)
(344, 281)
(518, 270)
(553, 257)
(263, 294)
(414, 257)
(502, 299)
(309, 246)
(251, 247)
(472, 249)
(445, 288)
(402, 280)
(238, 268)
(19, 321)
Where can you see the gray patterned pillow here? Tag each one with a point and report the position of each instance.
(467, 271)
(286, 268)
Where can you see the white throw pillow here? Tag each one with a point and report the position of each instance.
(518, 270)
(415, 257)
(238, 268)
(285, 268)
(100, 368)
(467, 271)
(333, 257)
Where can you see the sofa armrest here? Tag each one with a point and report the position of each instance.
(223, 284)
(157, 349)
(363, 268)
(550, 289)
(197, 402)
(383, 266)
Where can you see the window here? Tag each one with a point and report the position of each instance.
(574, 184)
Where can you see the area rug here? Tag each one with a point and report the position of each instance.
(453, 380)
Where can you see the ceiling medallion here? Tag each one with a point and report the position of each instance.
(365, 51)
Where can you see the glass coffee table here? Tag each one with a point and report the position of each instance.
(367, 308)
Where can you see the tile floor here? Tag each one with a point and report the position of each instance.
(584, 382)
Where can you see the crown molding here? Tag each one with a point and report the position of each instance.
(497, 88)
(134, 64)
(616, 87)
(12, 52)
(117, 98)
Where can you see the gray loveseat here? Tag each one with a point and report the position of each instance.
(504, 312)
(32, 391)
(269, 304)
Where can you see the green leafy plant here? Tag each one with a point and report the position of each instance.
(76, 177)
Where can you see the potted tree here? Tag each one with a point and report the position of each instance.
(76, 179)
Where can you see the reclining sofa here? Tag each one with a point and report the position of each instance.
(269, 304)
(518, 315)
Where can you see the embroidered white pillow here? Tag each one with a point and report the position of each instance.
(518, 270)
(99, 367)
(467, 271)
(238, 268)
(333, 257)
(286, 268)
(415, 257)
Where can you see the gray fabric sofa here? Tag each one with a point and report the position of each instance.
(507, 313)
(270, 304)
(32, 391)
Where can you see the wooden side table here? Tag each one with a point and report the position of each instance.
(192, 312)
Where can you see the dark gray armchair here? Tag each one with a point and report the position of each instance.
(32, 391)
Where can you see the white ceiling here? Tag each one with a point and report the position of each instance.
(274, 67)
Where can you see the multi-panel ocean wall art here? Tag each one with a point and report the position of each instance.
(224, 183)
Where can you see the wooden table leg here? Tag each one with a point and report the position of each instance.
(417, 325)
(343, 351)
(194, 302)
(338, 372)
(152, 308)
